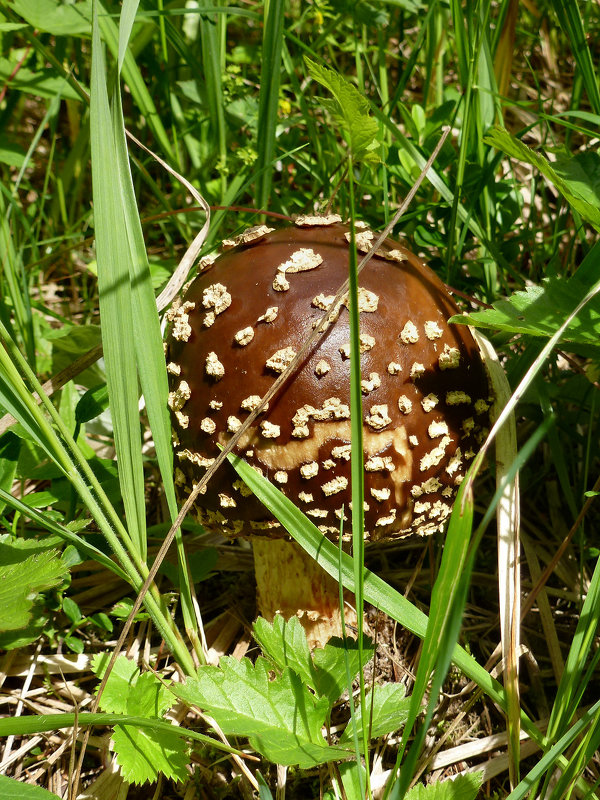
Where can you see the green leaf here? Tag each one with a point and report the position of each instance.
(578, 191)
(284, 642)
(582, 173)
(264, 793)
(11, 153)
(142, 753)
(330, 676)
(10, 447)
(123, 675)
(541, 310)
(59, 19)
(386, 712)
(21, 583)
(354, 780)
(92, 404)
(281, 717)
(39, 84)
(10, 789)
(350, 111)
(463, 787)
(113, 219)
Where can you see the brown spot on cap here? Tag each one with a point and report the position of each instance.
(370, 385)
(270, 431)
(179, 397)
(429, 402)
(216, 298)
(252, 402)
(208, 425)
(280, 282)
(378, 417)
(404, 404)
(338, 484)
(457, 397)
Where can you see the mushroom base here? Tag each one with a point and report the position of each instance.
(289, 582)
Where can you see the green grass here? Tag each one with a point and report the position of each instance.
(92, 228)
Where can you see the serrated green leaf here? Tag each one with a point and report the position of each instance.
(284, 642)
(21, 584)
(129, 692)
(463, 787)
(350, 112)
(122, 677)
(281, 717)
(10, 789)
(142, 753)
(570, 189)
(541, 310)
(386, 712)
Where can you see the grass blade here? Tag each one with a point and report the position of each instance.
(115, 251)
(268, 99)
(569, 18)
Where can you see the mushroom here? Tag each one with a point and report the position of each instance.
(425, 399)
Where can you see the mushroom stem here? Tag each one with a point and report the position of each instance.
(291, 583)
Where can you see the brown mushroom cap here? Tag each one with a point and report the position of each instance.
(425, 389)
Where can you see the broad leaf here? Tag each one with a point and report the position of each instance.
(569, 180)
(541, 310)
(39, 84)
(21, 583)
(582, 172)
(284, 642)
(59, 19)
(350, 111)
(10, 789)
(142, 753)
(330, 676)
(281, 717)
(463, 787)
(386, 712)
